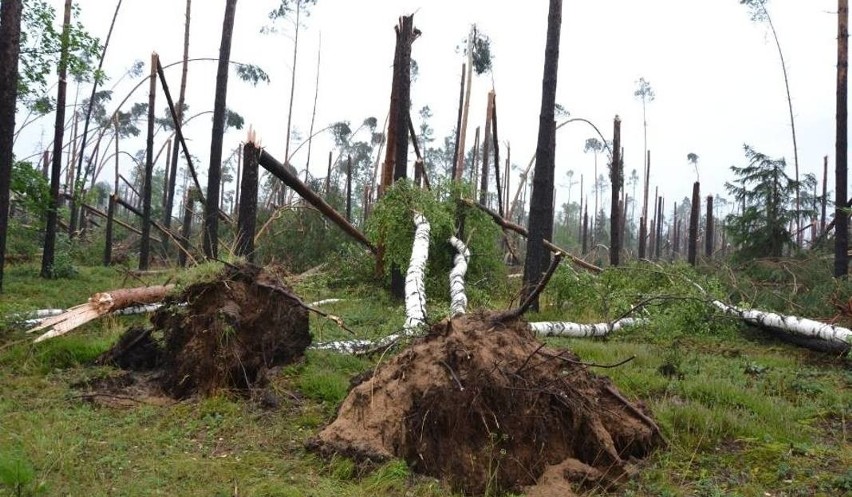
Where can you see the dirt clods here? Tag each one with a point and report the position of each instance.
(488, 408)
(219, 335)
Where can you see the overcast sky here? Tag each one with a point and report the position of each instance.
(716, 75)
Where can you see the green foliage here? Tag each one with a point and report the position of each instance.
(63, 260)
(40, 52)
(480, 45)
(767, 196)
(251, 73)
(392, 225)
(30, 189)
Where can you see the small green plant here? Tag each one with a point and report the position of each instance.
(16, 472)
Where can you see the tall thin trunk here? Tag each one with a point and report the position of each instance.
(455, 174)
(314, 112)
(643, 225)
(145, 244)
(235, 207)
(692, 254)
(541, 202)
(486, 149)
(170, 192)
(109, 225)
(405, 36)
(48, 255)
(211, 207)
(463, 128)
(496, 144)
(10, 43)
(617, 179)
(349, 188)
(81, 181)
(824, 193)
(709, 237)
(841, 239)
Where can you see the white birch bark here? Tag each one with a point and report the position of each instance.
(415, 291)
(458, 297)
(792, 324)
(577, 330)
(320, 303)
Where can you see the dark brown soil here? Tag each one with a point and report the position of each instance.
(488, 408)
(220, 335)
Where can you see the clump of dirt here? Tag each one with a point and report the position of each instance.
(217, 335)
(487, 407)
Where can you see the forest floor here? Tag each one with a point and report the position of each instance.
(744, 414)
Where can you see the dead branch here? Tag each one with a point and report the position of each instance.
(514, 313)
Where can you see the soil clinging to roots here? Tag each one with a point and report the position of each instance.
(487, 407)
(219, 335)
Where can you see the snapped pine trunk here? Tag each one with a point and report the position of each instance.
(99, 304)
(617, 180)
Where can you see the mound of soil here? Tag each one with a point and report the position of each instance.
(219, 335)
(488, 408)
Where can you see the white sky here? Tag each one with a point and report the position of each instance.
(716, 76)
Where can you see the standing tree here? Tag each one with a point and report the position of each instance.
(646, 94)
(172, 171)
(211, 206)
(616, 169)
(10, 44)
(48, 254)
(594, 145)
(758, 12)
(841, 214)
(764, 191)
(478, 53)
(541, 200)
(284, 10)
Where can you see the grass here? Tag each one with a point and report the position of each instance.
(744, 415)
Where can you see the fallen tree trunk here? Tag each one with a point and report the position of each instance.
(458, 297)
(791, 324)
(415, 291)
(577, 330)
(99, 305)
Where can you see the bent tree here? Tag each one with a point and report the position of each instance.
(541, 199)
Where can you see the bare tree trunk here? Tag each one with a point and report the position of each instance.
(10, 44)
(585, 231)
(349, 188)
(292, 82)
(708, 242)
(463, 128)
(841, 239)
(692, 254)
(170, 191)
(246, 222)
(541, 202)
(824, 194)
(81, 181)
(486, 150)
(617, 179)
(49, 252)
(109, 225)
(211, 207)
(145, 244)
(676, 236)
(496, 144)
(456, 174)
(186, 226)
(314, 112)
(660, 222)
(643, 222)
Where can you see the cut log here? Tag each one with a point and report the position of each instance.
(415, 291)
(576, 330)
(458, 297)
(99, 304)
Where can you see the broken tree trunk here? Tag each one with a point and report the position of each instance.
(458, 297)
(247, 219)
(576, 330)
(415, 291)
(99, 304)
(279, 171)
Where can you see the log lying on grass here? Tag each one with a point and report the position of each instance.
(839, 336)
(99, 304)
(577, 330)
(458, 297)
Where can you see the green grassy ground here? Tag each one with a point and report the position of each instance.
(744, 415)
